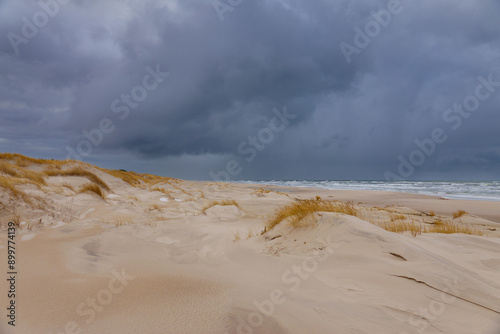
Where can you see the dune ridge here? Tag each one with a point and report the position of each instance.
(112, 251)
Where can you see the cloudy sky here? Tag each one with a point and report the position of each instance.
(260, 89)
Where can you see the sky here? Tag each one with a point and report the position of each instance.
(256, 90)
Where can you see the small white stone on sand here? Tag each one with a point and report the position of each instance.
(178, 200)
(163, 199)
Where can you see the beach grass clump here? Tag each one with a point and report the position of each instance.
(399, 226)
(459, 213)
(20, 160)
(437, 226)
(451, 228)
(299, 213)
(93, 188)
(78, 171)
(136, 179)
(226, 202)
(29, 176)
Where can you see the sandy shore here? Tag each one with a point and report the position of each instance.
(145, 261)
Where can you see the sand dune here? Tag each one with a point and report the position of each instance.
(170, 256)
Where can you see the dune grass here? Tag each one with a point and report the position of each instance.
(137, 179)
(299, 213)
(24, 161)
(32, 177)
(438, 226)
(399, 226)
(459, 213)
(78, 171)
(93, 188)
(223, 203)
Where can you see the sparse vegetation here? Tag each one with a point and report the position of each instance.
(449, 228)
(155, 207)
(224, 202)
(121, 221)
(237, 236)
(78, 171)
(404, 226)
(261, 192)
(299, 212)
(459, 213)
(431, 213)
(162, 190)
(437, 226)
(136, 179)
(92, 187)
(395, 217)
(67, 185)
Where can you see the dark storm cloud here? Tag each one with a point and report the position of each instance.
(352, 120)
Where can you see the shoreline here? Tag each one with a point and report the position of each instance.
(202, 257)
(455, 196)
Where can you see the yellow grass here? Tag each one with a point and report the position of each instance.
(8, 183)
(438, 226)
(121, 221)
(395, 217)
(32, 177)
(449, 228)
(459, 213)
(23, 161)
(224, 202)
(78, 171)
(92, 187)
(162, 190)
(404, 226)
(67, 185)
(302, 209)
(137, 179)
(261, 192)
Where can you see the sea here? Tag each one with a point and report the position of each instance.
(470, 190)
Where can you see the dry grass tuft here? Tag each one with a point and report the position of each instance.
(438, 226)
(24, 161)
(459, 213)
(92, 187)
(121, 221)
(395, 217)
(8, 183)
(431, 213)
(450, 228)
(261, 192)
(224, 202)
(137, 179)
(78, 171)
(67, 185)
(29, 176)
(404, 226)
(299, 213)
(237, 236)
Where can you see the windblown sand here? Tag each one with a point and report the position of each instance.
(144, 261)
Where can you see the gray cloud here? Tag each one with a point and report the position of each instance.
(352, 120)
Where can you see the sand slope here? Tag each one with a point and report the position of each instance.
(145, 261)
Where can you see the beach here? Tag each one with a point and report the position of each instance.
(161, 255)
